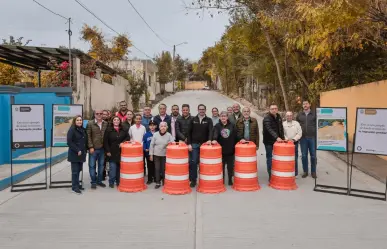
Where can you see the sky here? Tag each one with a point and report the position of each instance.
(168, 18)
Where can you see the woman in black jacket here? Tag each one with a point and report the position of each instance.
(225, 134)
(115, 135)
(76, 141)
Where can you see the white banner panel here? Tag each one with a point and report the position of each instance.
(62, 117)
(27, 126)
(371, 131)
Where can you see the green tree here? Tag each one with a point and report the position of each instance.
(165, 65)
(180, 71)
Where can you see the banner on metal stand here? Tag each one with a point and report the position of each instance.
(28, 132)
(62, 118)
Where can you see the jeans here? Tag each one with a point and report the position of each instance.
(99, 156)
(229, 160)
(159, 167)
(193, 162)
(296, 157)
(76, 168)
(269, 157)
(151, 169)
(308, 144)
(114, 173)
(145, 163)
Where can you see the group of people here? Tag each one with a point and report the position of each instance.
(104, 136)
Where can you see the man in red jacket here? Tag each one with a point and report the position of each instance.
(123, 110)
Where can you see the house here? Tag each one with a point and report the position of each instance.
(144, 69)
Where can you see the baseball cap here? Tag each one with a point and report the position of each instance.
(152, 122)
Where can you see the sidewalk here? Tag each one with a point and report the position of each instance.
(369, 164)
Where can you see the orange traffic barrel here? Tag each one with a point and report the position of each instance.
(283, 167)
(176, 180)
(211, 170)
(132, 168)
(246, 171)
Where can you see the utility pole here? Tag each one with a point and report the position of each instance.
(69, 32)
(173, 68)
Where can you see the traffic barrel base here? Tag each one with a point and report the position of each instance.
(211, 170)
(176, 180)
(246, 170)
(283, 167)
(132, 168)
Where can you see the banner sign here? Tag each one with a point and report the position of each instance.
(27, 126)
(371, 131)
(62, 117)
(332, 129)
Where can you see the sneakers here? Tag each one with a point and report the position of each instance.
(81, 188)
(149, 182)
(314, 175)
(111, 185)
(192, 184)
(77, 191)
(158, 185)
(93, 186)
(101, 184)
(305, 175)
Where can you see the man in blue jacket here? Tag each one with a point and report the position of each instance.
(146, 117)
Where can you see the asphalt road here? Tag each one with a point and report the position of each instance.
(268, 218)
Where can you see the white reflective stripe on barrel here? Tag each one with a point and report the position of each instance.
(283, 174)
(132, 159)
(176, 178)
(177, 160)
(132, 176)
(247, 159)
(211, 177)
(246, 175)
(284, 158)
(211, 160)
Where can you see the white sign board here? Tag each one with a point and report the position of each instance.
(27, 126)
(371, 131)
(62, 117)
(332, 129)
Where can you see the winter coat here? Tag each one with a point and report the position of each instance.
(126, 125)
(232, 118)
(76, 141)
(254, 130)
(226, 136)
(95, 134)
(167, 119)
(308, 124)
(200, 132)
(146, 141)
(112, 141)
(182, 126)
(145, 121)
(272, 128)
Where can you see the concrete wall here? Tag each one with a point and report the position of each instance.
(366, 95)
(195, 85)
(95, 94)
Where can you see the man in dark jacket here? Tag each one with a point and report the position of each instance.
(199, 132)
(162, 117)
(273, 131)
(182, 123)
(95, 133)
(247, 128)
(307, 120)
(225, 134)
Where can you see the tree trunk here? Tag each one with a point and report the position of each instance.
(279, 73)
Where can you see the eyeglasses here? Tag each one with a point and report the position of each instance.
(98, 113)
(202, 109)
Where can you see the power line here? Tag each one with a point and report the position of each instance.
(109, 27)
(148, 24)
(41, 5)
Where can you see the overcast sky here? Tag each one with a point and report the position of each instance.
(167, 17)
